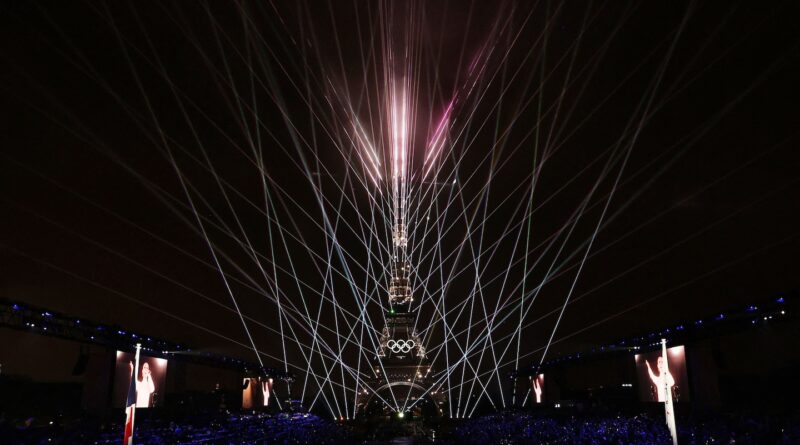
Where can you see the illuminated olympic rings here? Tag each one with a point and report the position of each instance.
(400, 345)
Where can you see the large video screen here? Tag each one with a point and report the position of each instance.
(655, 376)
(150, 384)
(537, 389)
(256, 392)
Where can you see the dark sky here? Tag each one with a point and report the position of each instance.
(95, 222)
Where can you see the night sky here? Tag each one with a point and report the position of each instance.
(95, 222)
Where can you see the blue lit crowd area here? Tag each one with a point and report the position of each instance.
(280, 428)
(513, 427)
(642, 429)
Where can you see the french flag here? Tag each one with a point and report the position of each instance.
(130, 407)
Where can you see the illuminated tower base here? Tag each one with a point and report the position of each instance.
(401, 368)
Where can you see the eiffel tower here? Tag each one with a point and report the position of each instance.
(402, 371)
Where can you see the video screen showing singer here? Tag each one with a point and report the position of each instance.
(656, 376)
(150, 379)
(145, 387)
(663, 380)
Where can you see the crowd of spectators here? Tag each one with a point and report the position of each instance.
(258, 428)
(526, 428)
(740, 430)
(507, 428)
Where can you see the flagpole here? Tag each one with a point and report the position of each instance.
(136, 367)
(130, 405)
(668, 406)
(136, 380)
